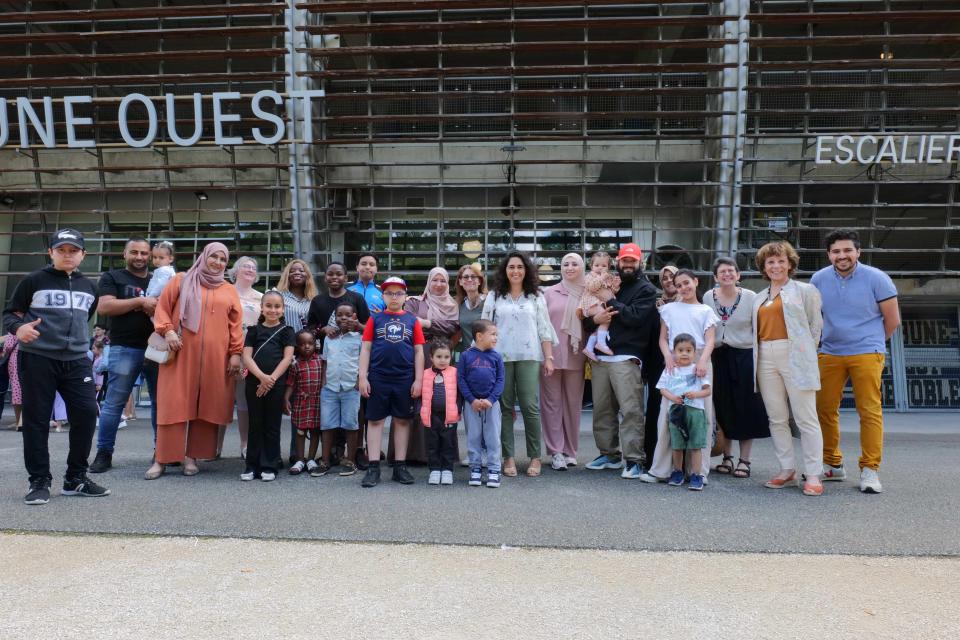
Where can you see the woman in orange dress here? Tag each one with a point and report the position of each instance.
(200, 316)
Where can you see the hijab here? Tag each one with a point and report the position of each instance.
(662, 300)
(443, 306)
(571, 324)
(199, 276)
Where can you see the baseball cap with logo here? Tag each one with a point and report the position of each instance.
(630, 250)
(394, 281)
(67, 236)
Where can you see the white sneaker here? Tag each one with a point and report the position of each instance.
(311, 465)
(446, 477)
(832, 473)
(570, 460)
(268, 476)
(870, 481)
(465, 462)
(434, 478)
(123, 424)
(246, 476)
(649, 478)
(558, 463)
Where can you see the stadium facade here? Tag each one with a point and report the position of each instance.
(452, 130)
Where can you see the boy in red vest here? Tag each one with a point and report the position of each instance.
(439, 413)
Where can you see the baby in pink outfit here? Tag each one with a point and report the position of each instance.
(599, 277)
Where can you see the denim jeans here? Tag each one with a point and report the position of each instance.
(123, 368)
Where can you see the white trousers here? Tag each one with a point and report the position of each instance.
(781, 397)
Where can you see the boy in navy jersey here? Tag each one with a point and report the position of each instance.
(391, 372)
(49, 311)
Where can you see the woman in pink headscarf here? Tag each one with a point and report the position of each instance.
(561, 395)
(440, 318)
(200, 317)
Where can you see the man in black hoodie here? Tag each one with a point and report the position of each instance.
(616, 380)
(49, 312)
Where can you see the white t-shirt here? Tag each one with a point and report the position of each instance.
(684, 380)
(693, 319)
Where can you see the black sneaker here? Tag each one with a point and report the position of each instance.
(361, 460)
(401, 475)
(102, 462)
(39, 492)
(83, 486)
(372, 477)
(320, 470)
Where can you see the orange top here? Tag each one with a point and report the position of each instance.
(770, 322)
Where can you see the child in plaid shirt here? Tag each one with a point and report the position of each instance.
(303, 388)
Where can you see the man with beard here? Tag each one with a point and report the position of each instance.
(124, 301)
(860, 313)
(617, 383)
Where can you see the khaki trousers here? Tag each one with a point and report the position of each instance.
(617, 387)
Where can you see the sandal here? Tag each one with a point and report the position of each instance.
(725, 467)
(534, 469)
(742, 473)
(509, 468)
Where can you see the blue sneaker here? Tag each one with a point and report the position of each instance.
(676, 478)
(696, 482)
(475, 478)
(632, 471)
(604, 461)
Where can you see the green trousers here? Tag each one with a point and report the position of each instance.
(521, 385)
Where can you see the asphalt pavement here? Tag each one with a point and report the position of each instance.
(577, 508)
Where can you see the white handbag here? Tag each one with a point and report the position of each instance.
(157, 349)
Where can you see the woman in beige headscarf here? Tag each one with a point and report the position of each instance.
(200, 316)
(666, 284)
(561, 395)
(440, 318)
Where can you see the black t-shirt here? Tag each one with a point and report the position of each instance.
(130, 329)
(323, 307)
(270, 348)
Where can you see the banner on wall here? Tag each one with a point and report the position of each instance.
(931, 343)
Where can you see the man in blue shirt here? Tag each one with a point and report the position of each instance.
(860, 313)
(365, 285)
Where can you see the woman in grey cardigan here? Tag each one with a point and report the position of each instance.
(786, 331)
(738, 407)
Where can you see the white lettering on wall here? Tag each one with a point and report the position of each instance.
(893, 149)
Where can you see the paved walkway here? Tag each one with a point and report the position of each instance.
(570, 509)
(159, 588)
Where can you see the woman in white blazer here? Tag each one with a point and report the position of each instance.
(786, 332)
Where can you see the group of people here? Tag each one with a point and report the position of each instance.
(664, 367)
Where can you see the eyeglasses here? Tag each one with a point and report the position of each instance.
(469, 278)
(394, 294)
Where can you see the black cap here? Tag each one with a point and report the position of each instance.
(67, 236)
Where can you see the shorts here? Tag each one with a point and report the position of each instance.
(390, 398)
(339, 409)
(696, 425)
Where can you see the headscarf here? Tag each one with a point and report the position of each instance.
(199, 276)
(574, 287)
(662, 300)
(443, 306)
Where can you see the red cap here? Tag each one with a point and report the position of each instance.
(630, 250)
(394, 281)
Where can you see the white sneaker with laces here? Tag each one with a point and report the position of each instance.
(558, 462)
(268, 476)
(870, 481)
(832, 473)
(570, 460)
(434, 478)
(446, 477)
